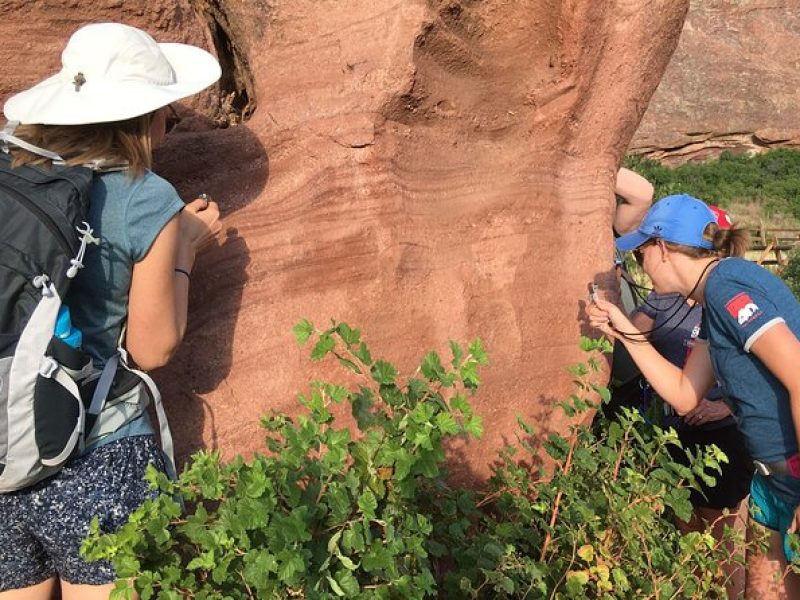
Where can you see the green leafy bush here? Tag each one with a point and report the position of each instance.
(771, 178)
(790, 273)
(321, 515)
(325, 514)
(597, 524)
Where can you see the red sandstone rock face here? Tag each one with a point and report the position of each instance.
(731, 85)
(425, 170)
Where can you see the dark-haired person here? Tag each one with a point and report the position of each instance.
(748, 343)
(674, 324)
(107, 108)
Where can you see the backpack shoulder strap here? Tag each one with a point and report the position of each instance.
(100, 165)
(167, 445)
(7, 137)
(100, 397)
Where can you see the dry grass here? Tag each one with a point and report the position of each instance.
(752, 214)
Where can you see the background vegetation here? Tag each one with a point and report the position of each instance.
(759, 189)
(770, 182)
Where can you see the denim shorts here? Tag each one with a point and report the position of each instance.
(771, 511)
(42, 527)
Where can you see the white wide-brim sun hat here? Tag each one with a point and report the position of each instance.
(113, 72)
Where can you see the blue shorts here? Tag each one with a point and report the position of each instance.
(771, 511)
(42, 527)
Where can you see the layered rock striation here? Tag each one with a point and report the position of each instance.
(425, 170)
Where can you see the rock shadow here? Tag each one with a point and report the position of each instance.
(231, 166)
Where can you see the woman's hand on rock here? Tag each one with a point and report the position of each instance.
(607, 317)
(200, 223)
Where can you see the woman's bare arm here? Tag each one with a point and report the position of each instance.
(683, 388)
(637, 196)
(159, 294)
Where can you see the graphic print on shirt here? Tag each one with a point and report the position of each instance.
(689, 342)
(742, 308)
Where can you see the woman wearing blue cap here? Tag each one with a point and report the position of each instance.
(748, 342)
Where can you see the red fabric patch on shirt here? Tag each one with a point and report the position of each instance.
(742, 308)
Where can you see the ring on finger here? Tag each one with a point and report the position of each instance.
(205, 197)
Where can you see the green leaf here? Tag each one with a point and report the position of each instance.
(469, 375)
(350, 365)
(392, 395)
(254, 481)
(604, 392)
(325, 344)
(333, 543)
(360, 408)
(349, 336)
(346, 562)
(586, 552)
(348, 583)
(524, 425)
(377, 558)
(335, 586)
(362, 354)
(506, 584)
(474, 426)
(460, 404)
(123, 590)
(204, 561)
(402, 464)
(416, 389)
(446, 424)
(576, 582)
(290, 567)
(383, 372)
(127, 566)
(302, 331)
(478, 352)
(259, 564)
(367, 503)
(353, 540)
(432, 367)
(620, 579)
(338, 502)
(458, 353)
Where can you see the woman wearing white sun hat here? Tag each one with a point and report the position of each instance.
(108, 107)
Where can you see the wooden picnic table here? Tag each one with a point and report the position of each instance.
(771, 245)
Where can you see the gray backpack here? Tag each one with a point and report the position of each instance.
(53, 402)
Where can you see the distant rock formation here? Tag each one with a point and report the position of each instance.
(424, 169)
(732, 83)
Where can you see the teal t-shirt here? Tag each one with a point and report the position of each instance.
(743, 301)
(126, 215)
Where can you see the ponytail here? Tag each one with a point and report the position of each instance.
(730, 242)
(725, 242)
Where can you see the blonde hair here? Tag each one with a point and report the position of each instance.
(118, 142)
(726, 242)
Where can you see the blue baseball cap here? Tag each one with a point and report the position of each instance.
(680, 219)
